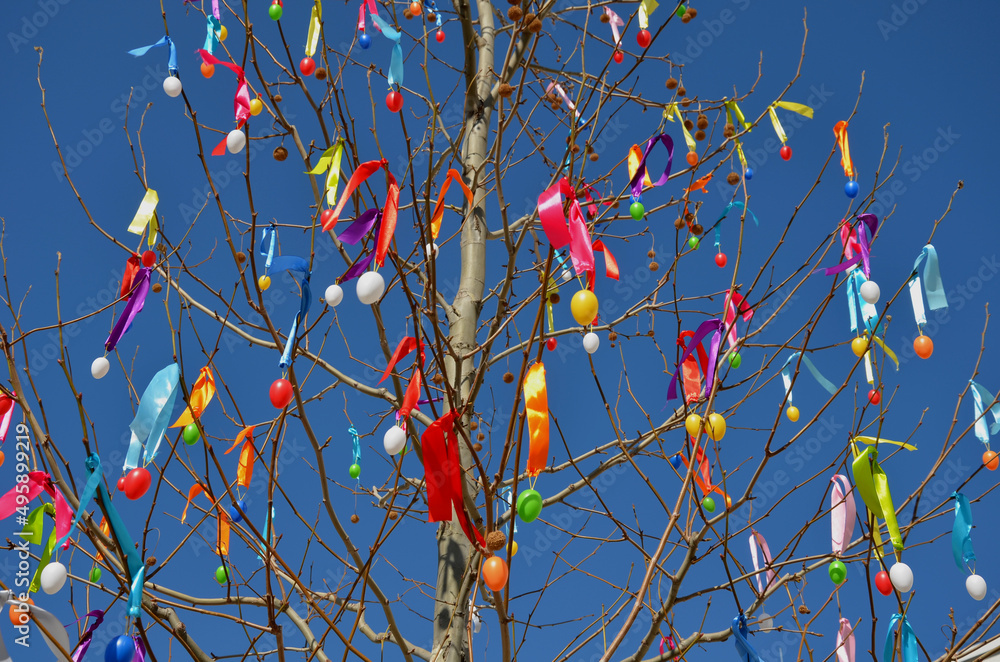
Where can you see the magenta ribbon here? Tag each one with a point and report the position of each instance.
(84, 645)
(5, 421)
(241, 102)
(140, 649)
(713, 327)
(853, 238)
(23, 493)
(136, 300)
(736, 306)
(640, 172)
(554, 223)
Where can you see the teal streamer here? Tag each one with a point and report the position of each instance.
(89, 490)
(396, 61)
(980, 396)
(869, 313)
(153, 416)
(355, 444)
(908, 640)
(171, 55)
(744, 648)
(266, 534)
(736, 204)
(961, 532)
(212, 38)
(269, 237)
(933, 286)
(786, 376)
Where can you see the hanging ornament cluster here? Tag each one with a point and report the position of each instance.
(720, 257)
(787, 379)
(936, 297)
(805, 111)
(172, 83)
(236, 140)
(307, 65)
(981, 399)
(851, 188)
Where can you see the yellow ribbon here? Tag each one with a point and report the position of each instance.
(739, 121)
(840, 130)
(634, 157)
(646, 9)
(799, 108)
(873, 486)
(312, 39)
(146, 216)
(453, 176)
(329, 162)
(536, 403)
(201, 395)
(669, 113)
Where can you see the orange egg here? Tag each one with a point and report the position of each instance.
(991, 460)
(207, 70)
(923, 346)
(495, 573)
(692, 158)
(416, 8)
(18, 614)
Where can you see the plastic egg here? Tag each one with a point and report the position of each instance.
(172, 86)
(976, 586)
(236, 141)
(591, 342)
(901, 577)
(256, 106)
(715, 427)
(100, 367)
(870, 291)
(371, 286)
(693, 424)
(54, 577)
(431, 250)
(584, 307)
(394, 440)
(333, 295)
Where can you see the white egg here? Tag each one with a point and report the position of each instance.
(566, 274)
(870, 292)
(371, 285)
(100, 367)
(591, 342)
(431, 250)
(901, 577)
(394, 440)
(54, 577)
(976, 586)
(236, 141)
(172, 86)
(333, 295)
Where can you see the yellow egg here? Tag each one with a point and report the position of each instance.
(584, 307)
(513, 548)
(715, 427)
(256, 106)
(223, 33)
(793, 414)
(693, 424)
(859, 346)
(264, 282)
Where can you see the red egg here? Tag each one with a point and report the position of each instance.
(619, 56)
(883, 583)
(394, 101)
(281, 393)
(148, 259)
(720, 259)
(874, 396)
(439, 36)
(121, 484)
(325, 216)
(551, 344)
(137, 482)
(307, 66)
(644, 39)
(786, 152)
(5, 403)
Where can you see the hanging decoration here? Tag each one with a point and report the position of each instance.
(307, 66)
(691, 373)
(222, 518)
(712, 329)
(438, 214)
(405, 347)
(20, 611)
(443, 476)
(355, 469)
(290, 263)
(936, 297)
(851, 187)
(786, 378)
(755, 540)
(7, 404)
(536, 403)
(735, 307)
(735, 117)
(236, 139)
(134, 305)
(562, 93)
(744, 648)
(961, 547)
(673, 111)
(907, 641)
(393, 100)
(145, 217)
(432, 9)
(983, 402)
(641, 177)
(244, 470)
(172, 83)
(845, 641)
(805, 111)
(616, 22)
(720, 257)
(366, 5)
(150, 424)
(842, 513)
(329, 162)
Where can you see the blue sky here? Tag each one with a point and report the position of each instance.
(926, 71)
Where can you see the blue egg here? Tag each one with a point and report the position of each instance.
(236, 513)
(851, 189)
(676, 461)
(365, 41)
(121, 649)
(749, 174)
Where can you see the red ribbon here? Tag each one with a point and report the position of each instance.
(736, 305)
(591, 208)
(713, 330)
(405, 347)
(23, 493)
(388, 225)
(241, 102)
(554, 223)
(443, 474)
(692, 376)
(610, 263)
(132, 266)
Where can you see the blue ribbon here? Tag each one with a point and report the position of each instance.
(437, 15)
(961, 532)
(908, 640)
(268, 238)
(746, 652)
(299, 264)
(869, 313)
(212, 38)
(980, 397)
(355, 444)
(171, 57)
(933, 286)
(505, 496)
(396, 62)
(153, 416)
(786, 375)
(267, 527)
(737, 204)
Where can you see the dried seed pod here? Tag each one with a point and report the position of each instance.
(692, 11)
(804, 609)
(477, 447)
(277, 98)
(480, 437)
(651, 254)
(393, 515)
(241, 257)
(528, 18)
(575, 149)
(653, 266)
(280, 153)
(320, 73)
(686, 102)
(438, 379)
(689, 217)
(686, 18)
(535, 26)
(594, 156)
(688, 124)
(431, 17)
(355, 519)
(699, 135)
(515, 13)
(505, 89)
(733, 178)
(681, 90)
(407, 14)
(554, 298)
(672, 83)
(151, 561)
(679, 224)
(727, 131)
(508, 378)
(702, 122)
(696, 229)
(473, 425)
(605, 18)
(157, 288)
(496, 540)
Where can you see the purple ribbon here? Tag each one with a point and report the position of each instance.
(81, 650)
(360, 227)
(864, 241)
(640, 172)
(713, 327)
(136, 299)
(357, 268)
(140, 649)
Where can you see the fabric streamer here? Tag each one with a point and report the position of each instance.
(672, 111)
(616, 22)
(201, 395)
(610, 263)
(443, 477)
(146, 216)
(786, 376)
(432, 8)
(405, 347)
(505, 496)
(329, 162)
(703, 474)
(689, 368)
(700, 184)
(590, 194)
(222, 519)
(171, 53)
(842, 514)
(212, 27)
(744, 649)
(396, 60)
(536, 404)
(736, 306)
(315, 28)
(81, 650)
(241, 100)
(712, 328)
(936, 297)
(907, 643)
(845, 641)
(151, 417)
(355, 446)
(646, 8)
(134, 305)
(453, 176)
(873, 486)
(857, 245)
(640, 175)
(840, 130)
(388, 223)
(34, 532)
(869, 313)
(132, 266)
(7, 417)
(739, 121)
(737, 204)
(758, 539)
(47, 621)
(983, 402)
(799, 108)
(561, 92)
(554, 224)
(372, 9)
(25, 492)
(299, 265)
(961, 534)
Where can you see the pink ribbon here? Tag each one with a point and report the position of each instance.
(23, 493)
(845, 642)
(8, 415)
(669, 641)
(554, 223)
(857, 244)
(842, 512)
(372, 9)
(241, 102)
(759, 539)
(736, 305)
(591, 207)
(558, 88)
(616, 22)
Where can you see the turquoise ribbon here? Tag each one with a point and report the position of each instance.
(396, 62)
(908, 640)
(355, 445)
(869, 313)
(171, 57)
(961, 532)
(980, 397)
(437, 15)
(212, 38)
(269, 237)
(293, 263)
(505, 496)
(737, 204)
(745, 650)
(786, 376)
(933, 286)
(153, 416)
(267, 527)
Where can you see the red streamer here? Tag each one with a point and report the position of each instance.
(443, 475)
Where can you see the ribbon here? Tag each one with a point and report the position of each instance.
(672, 111)
(201, 395)
(616, 22)
(244, 469)
(640, 174)
(241, 101)
(47, 620)
(24, 492)
(873, 486)
(736, 306)
(842, 514)
(610, 263)
(84, 645)
(171, 56)
(961, 533)
(737, 204)
(152, 416)
(857, 245)
(703, 476)
(396, 60)
(786, 376)
(736, 117)
(558, 88)
(145, 216)
(713, 327)
(646, 8)
(933, 286)
(700, 184)
(357, 268)
(689, 368)
(799, 108)
(907, 644)
(869, 313)
(298, 264)
(312, 37)
(357, 230)
(7, 417)
(34, 529)
(222, 519)
(505, 496)
(132, 266)
(744, 649)
(432, 6)
(443, 476)
(589, 194)
(536, 404)
(845, 641)
(140, 649)
(634, 157)
(554, 223)
(980, 396)
(758, 539)
(355, 445)
(266, 535)
(668, 641)
(453, 176)
(388, 224)
(406, 346)
(329, 162)
(244, 433)
(372, 10)
(840, 130)
(136, 300)
(268, 240)
(212, 28)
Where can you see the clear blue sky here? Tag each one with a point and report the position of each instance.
(928, 72)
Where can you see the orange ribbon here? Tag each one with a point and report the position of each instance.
(840, 130)
(244, 470)
(536, 402)
(610, 264)
(700, 184)
(689, 369)
(453, 176)
(222, 531)
(201, 395)
(634, 159)
(704, 480)
(389, 212)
